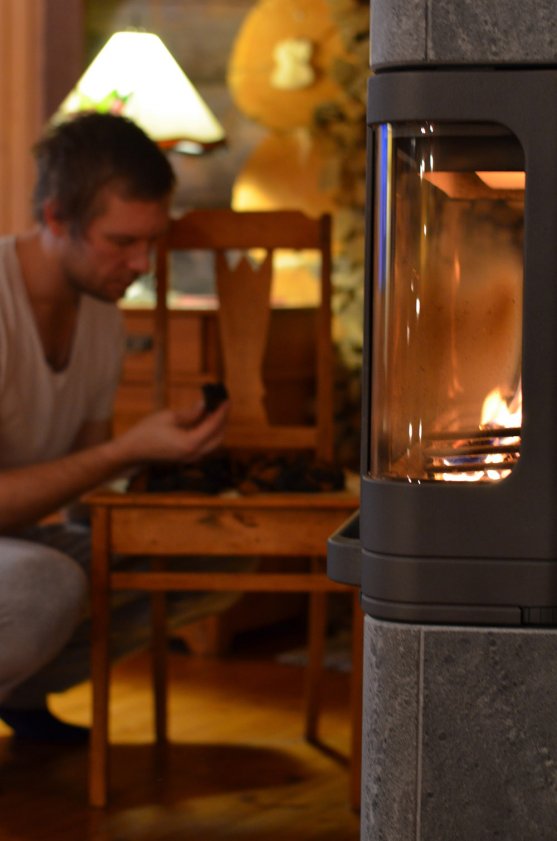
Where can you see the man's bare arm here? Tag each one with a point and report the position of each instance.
(30, 493)
(90, 434)
(93, 433)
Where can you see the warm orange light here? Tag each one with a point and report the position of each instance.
(463, 185)
(503, 180)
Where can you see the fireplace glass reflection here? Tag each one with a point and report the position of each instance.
(447, 302)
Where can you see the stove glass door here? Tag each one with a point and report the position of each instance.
(447, 302)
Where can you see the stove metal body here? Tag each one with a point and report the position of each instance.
(429, 548)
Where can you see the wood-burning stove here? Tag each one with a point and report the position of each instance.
(458, 517)
(455, 550)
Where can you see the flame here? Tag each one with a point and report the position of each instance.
(498, 413)
(504, 417)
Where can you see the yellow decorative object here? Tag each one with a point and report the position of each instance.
(295, 171)
(285, 25)
(292, 69)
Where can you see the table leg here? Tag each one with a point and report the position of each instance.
(100, 622)
(159, 658)
(316, 651)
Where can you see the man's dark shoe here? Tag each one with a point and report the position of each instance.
(41, 727)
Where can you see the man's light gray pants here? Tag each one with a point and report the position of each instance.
(44, 626)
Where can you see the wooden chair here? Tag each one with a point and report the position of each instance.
(285, 525)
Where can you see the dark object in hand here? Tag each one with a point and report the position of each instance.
(214, 394)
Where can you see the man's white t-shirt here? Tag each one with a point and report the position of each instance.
(41, 411)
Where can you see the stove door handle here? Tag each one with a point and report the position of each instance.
(344, 556)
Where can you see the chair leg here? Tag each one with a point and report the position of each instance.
(356, 705)
(100, 637)
(317, 622)
(159, 661)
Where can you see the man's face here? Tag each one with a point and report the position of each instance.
(116, 247)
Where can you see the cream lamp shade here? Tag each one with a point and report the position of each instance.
(135, 75)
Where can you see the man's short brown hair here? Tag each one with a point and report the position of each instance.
(77, 158)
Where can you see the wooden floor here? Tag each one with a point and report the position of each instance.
(237, 767)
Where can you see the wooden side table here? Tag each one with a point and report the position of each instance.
(159, 525)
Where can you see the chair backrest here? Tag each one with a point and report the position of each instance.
(243, 289)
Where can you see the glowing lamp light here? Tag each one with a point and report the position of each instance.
(135, 75)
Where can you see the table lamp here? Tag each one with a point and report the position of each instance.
(135, 75)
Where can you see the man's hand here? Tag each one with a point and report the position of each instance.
(173, 435)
